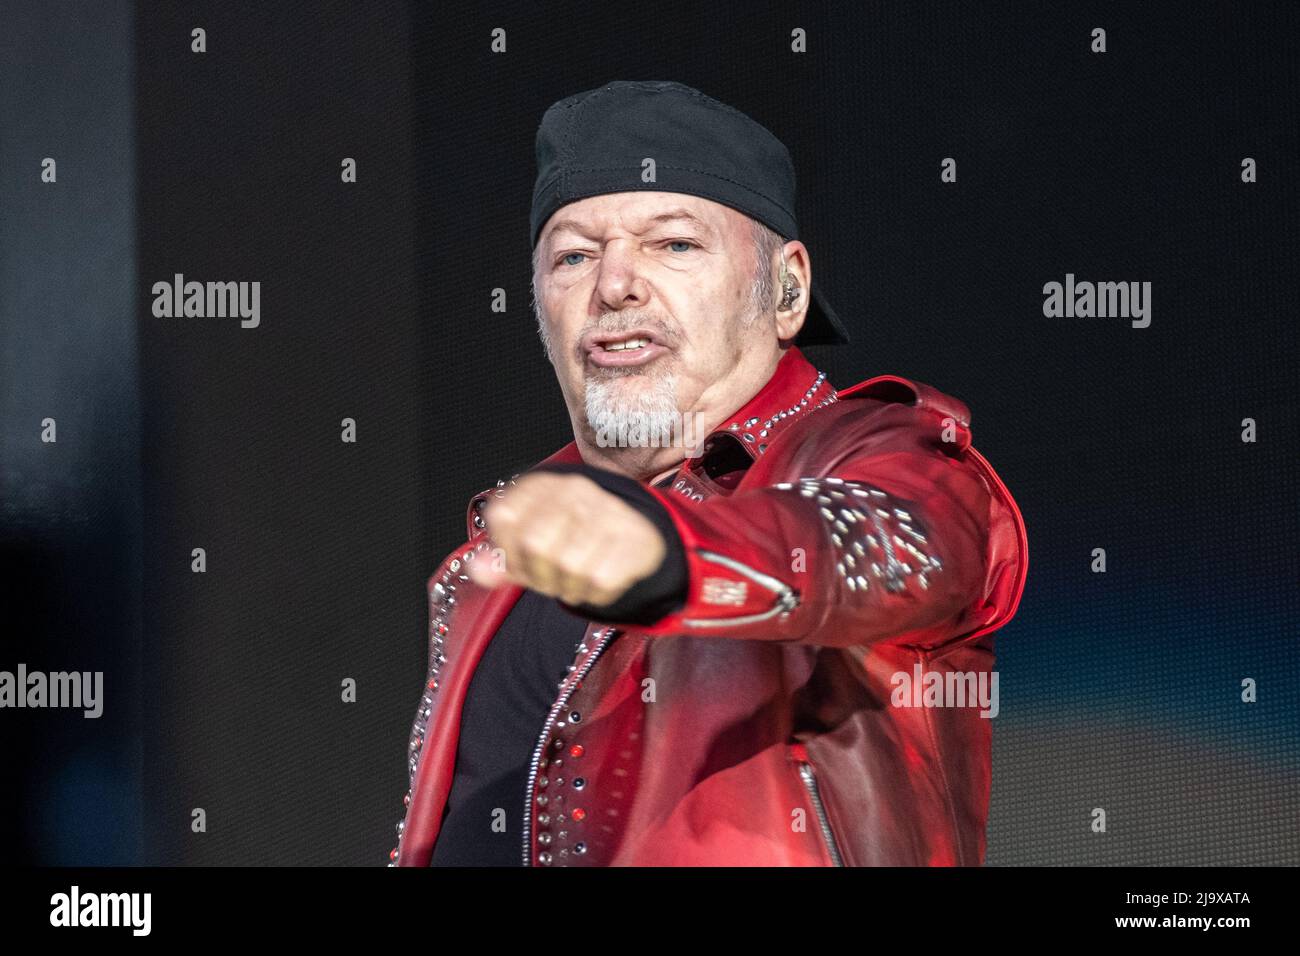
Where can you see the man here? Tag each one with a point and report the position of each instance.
(690, 651)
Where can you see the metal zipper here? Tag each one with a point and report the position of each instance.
(809, 777)
(786, 597)
(533, 766)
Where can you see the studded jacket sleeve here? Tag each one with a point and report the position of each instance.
(888, 543)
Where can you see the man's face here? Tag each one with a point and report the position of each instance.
(646, 306)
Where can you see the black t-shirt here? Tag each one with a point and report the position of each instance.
(514, 686)
(509, 697)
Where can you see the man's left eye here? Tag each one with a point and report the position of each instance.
(681, 242)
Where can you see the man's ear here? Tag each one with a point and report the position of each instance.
(798, 277)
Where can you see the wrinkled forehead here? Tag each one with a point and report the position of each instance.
(641, 213)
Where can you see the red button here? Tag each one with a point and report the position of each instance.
(576, 750)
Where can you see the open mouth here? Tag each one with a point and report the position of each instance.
(636, 347)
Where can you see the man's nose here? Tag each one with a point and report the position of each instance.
(620, 282)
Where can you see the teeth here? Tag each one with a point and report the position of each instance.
(626, 344)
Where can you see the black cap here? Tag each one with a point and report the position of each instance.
(595, 142)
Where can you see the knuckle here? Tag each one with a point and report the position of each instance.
(499, 514)
(607, 580)
(573, 563)
(535, 537)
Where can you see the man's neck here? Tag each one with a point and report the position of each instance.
(648, 467)
(665, 474)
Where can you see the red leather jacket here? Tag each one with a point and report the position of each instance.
(833, 540)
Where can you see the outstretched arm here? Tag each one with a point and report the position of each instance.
(890, 545)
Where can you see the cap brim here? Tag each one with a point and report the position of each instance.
(821, 326)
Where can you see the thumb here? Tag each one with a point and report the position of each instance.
(482, 572)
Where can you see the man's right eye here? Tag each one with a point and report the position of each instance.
(564, 260)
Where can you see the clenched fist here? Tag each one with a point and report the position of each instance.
(564, 536)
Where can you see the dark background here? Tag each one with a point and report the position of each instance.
(1118, 690)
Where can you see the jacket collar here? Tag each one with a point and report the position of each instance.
(794, 388)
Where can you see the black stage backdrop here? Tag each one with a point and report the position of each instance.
(223, 690)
